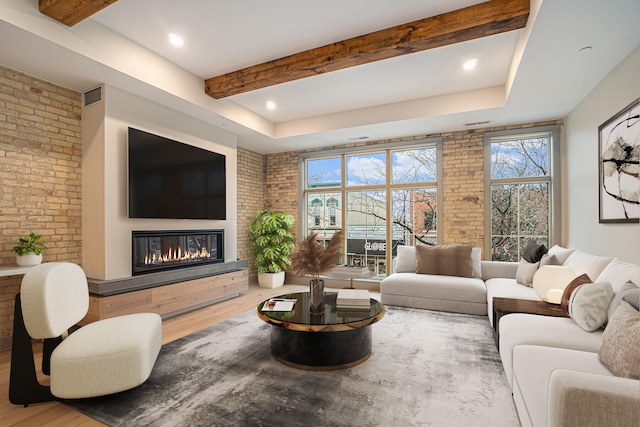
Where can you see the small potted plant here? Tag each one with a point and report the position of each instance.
(29, 250)
(272, 243)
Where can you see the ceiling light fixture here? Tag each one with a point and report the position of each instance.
(271, 105)
(470, 64)
(176, 40)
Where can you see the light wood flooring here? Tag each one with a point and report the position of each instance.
(57, 414)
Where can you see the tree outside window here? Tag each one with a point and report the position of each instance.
(520, 190)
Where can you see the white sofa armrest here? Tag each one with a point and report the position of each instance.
(498, 269)
(584, 398)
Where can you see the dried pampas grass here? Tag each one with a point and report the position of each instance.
(312, 258)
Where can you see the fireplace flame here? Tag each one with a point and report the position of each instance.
(177, 255)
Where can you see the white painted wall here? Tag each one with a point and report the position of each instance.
(582, 229)
(106, 226)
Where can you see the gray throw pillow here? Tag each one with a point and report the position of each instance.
(589, 303)
(632, 297)
(525, 272)
(533, 252)
(627, 289)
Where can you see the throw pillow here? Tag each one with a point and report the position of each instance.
(564, 301)
(525, 272)
(633, 298)
(627, 288)
(446, 260)
(533, 252)
(560, 253)
(620, 348)
(589, 303)
(582, 262)
(405, 259)
(548, 260)
(476, 260)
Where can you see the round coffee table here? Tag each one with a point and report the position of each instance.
(336, 339)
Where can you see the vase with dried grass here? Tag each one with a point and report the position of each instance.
(312, 258)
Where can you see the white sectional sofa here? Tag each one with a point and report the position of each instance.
(551, 363)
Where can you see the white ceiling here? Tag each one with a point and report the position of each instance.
(527, 75)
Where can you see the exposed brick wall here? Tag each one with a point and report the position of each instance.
(282, 177)
(251, 191)
(40, 175)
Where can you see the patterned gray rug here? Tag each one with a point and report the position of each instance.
(426, 369)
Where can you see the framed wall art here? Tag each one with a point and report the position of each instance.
(619, 166)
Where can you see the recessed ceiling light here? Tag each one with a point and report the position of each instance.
(176, 40)
(470, 64)
(271, 105)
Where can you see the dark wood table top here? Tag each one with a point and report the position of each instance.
(514, 305)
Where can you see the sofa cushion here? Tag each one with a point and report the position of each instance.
(620, 349)
(566, 294)
(562, 332)
(532, 370)
(435, 286)
(446, 260)
(589, 303)
(405, 260)
(526, 270)
(534, 251)
(584, 263)
(619, 272)
(506, 288)
(560, 253)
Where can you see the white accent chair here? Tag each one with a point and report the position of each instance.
(103, 357)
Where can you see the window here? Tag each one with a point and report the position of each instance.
(520, 182)
(390, 196)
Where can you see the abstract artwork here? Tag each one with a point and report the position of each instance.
(619, 159)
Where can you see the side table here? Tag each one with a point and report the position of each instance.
(503, 306)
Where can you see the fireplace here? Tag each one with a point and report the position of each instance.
(167, 250)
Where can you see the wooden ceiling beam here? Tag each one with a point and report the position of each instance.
(70, 12)
(481, 20)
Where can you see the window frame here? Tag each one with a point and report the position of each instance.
(553, 179)
(387, 186)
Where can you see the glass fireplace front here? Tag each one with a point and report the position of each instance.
(165, 250)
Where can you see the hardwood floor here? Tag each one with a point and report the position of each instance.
(56, 414)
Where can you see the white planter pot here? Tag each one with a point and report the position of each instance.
(27, 260)
(271, 280)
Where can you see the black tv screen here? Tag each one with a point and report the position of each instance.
(169, 179)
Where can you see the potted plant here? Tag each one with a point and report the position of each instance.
(313, 258)
(272, 243)
(29, 250)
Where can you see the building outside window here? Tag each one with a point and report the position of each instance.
(390, 193)
(522, 182)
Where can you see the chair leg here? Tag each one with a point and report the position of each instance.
(24, 387)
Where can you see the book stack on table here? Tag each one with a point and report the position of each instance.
(350, 271)
(353, 299)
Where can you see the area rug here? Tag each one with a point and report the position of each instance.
(427, 369)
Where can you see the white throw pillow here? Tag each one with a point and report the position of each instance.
(476, 254)
(560, 253)
(589, 303)
(526, 271)
(405, 259)
(584, 263)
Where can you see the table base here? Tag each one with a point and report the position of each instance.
(321, 350)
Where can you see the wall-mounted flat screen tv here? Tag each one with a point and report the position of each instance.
(170, 179)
